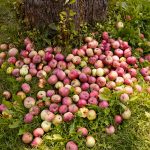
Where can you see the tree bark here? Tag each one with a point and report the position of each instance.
(44, 12)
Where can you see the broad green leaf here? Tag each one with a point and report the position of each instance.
(21, 131)
(63, 13)
(72, 128)
(53, 137)
(106, 94)
(66, 1)
(72, 1)
(53, 26)
(7, 104)
(72, 13)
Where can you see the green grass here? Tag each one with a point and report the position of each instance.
(133, 134)
(9, 25)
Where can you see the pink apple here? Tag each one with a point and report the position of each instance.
(118, 119)
(63, 109)
(34, 110)
(28, 118)
(82, 103)
(85, 86)
(71, 146)
(84, 95)
(68, 116)
(52, 79)
(67, 101)
(52, 63)
(38, 132)
(92, 101)
(59, 57)
(95, 87)
(27, 138)
(115, 44)
(29, 102)
(76, 60)
(83, 131)
(47, 115)
(110, 130)
(73, 74)
(61, 65)
(86, 70)
(73, 108)
(54, 108)
(56, 98)
(103, 104)
(112, 75)
(41, 94)
(101, 81)
(131, 60)
(37, 141)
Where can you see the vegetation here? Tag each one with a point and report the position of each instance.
(133, 134)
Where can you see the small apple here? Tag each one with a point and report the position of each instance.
(46, 126)
(91, 115)
(90, 141)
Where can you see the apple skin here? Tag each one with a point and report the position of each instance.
(46, 115)
(76, 60)
(63, 91)
(2, 107)
(54, 108)
(81, 103)
(57, 120)
(103, 104)
(63, 109)
(50, 93)
(83, 112)
(84, 95)
(52, 79)
(118, 119)
(126, 114)
(110, 130)
(67, 101)
(68, 117)
(124, 97)
(83, 131)
(89, 52)
(73, 108)
(26, 88)
(83, 77)
(29, 102)
(28, 118)
(27, 138)
(75, 98)
(91, 115)
(119, 25)
(92, 101)
(56, 98)
(37, 141)
(38, 132)
(71, 146)
(90, 141)
(41, 94)
(7, 95)
(34, 110)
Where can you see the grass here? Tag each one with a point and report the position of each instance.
(9, 26)
(133, 134)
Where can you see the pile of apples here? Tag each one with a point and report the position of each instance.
(75, 81)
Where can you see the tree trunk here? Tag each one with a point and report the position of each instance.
(43, 12)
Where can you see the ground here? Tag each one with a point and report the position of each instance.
(133, 134)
